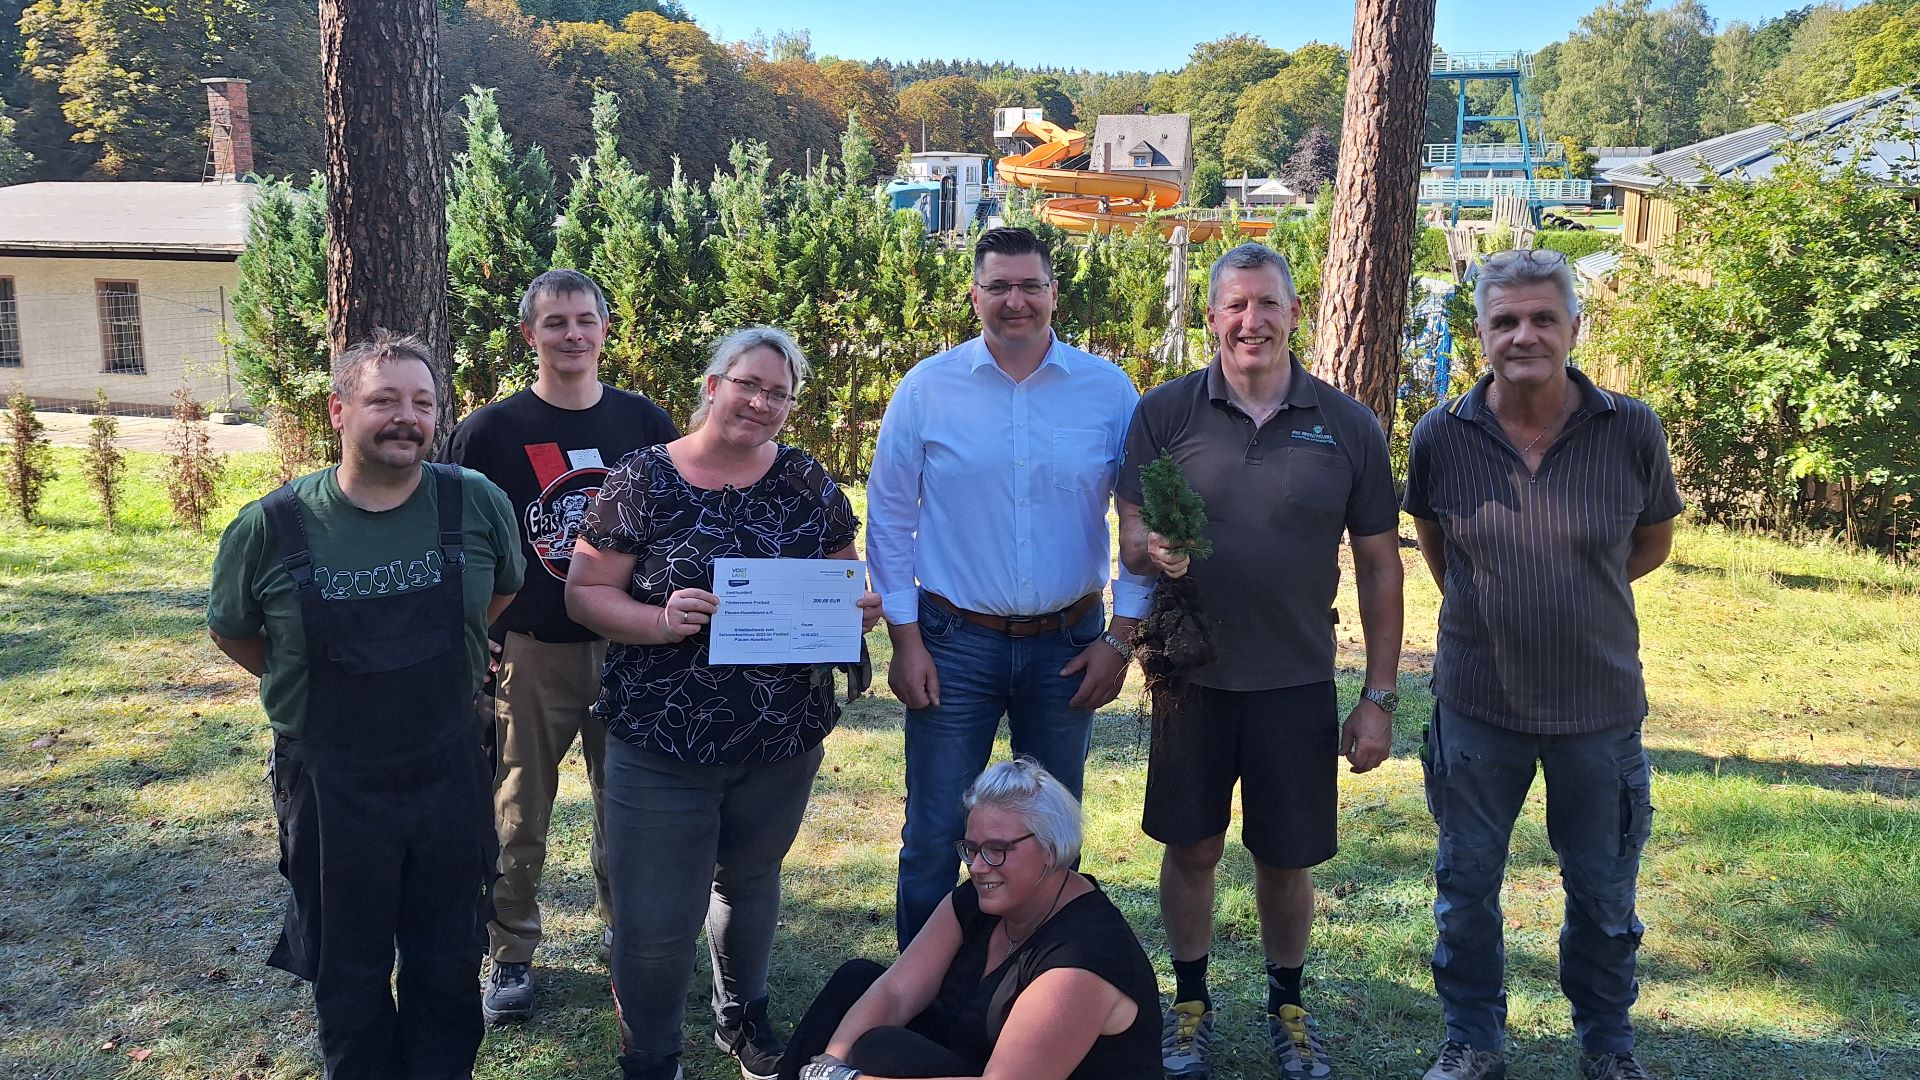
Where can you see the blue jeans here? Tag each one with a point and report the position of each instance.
(1598, 817)
(984, 674)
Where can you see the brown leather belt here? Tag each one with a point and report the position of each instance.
(1019, 625)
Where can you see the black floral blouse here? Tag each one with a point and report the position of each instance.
(667, 698)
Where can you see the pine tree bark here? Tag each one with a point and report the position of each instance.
(1363, 298)
(386, 178)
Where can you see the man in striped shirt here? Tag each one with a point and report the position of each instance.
(1538, 498)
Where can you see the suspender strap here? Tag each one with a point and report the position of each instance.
(447, 492)
(290, 535)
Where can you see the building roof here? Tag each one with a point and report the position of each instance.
(1752, 153)
(1608, 158)
(1597, 266)
(1170, 134)
(133, 217)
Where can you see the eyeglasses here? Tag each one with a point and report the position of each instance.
(1543, 256)
(1002, 288)
(993, 852)
(779, 399)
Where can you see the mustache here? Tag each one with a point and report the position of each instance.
(400, 433)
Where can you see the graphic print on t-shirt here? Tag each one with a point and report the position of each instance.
(568, 482)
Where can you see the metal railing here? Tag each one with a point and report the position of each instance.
(1446, 63)
(1540, 191)
(1493, 153)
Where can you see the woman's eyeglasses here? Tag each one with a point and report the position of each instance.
(993, 851)
(777, 398)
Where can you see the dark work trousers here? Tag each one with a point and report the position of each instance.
(884, 1051)
(386, 831)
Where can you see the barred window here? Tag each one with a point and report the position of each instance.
(120, 338)
(9, 325)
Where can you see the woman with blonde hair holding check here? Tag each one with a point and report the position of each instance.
(708, 767)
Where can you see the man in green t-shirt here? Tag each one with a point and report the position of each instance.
(361, 595)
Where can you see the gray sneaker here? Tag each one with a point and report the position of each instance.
(1186, 1035)
(1458, 1061)
(507, 993)
(1294, 1038)
(1612, 1067)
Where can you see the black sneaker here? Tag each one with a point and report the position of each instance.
(1612, 1067)
(747, 1036)
(507, 993)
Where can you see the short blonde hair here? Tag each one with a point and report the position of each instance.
(1022, 786)
(738, 344)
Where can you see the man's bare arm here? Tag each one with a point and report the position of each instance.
(249, 653)
(1433, 548)
(1651, 546)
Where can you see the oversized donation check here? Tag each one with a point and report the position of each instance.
(787, 611)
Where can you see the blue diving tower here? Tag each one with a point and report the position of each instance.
(1505, 169)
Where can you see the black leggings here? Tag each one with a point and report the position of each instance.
(884, 1051)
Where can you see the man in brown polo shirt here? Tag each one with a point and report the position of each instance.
(1538, 499)
(1286, 464)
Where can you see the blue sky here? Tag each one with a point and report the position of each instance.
(1133, 34)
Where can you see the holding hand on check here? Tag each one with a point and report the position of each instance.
(711, 754)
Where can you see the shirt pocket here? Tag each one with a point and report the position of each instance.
(1318, 483)
(1082, 460)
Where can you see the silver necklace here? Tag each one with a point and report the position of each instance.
(1565, 408)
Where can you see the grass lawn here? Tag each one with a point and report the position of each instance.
(1781, 890)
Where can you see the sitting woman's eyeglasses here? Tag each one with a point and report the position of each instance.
(776, 398)
(1002, 288)
(993, 852)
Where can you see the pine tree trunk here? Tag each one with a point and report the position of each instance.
(1363, 297)
(386, 178)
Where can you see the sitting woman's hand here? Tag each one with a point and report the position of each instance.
(869, 604)
(828, 1067)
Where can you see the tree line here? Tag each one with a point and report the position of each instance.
(683, 259)
(97, 87)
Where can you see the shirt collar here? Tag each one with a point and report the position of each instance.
(1056, 355)
(1472, 405)
(1300, 390)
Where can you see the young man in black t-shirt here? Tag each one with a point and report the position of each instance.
(547, 447)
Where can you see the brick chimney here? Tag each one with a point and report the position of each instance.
(231, 155)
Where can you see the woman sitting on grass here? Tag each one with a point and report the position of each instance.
(1025, 972)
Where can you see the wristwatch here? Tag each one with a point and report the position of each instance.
(1125, 650)
(1388, 700)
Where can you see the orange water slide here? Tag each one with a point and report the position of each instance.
(1096, 201)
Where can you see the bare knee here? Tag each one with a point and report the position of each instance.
(1195, 859)
(1282, 880)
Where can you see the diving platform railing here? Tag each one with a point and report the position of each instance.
(1483, 191)
(1494, 153)
(1481, 64)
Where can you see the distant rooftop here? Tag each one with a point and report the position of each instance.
(125, 218)
(1754, 152)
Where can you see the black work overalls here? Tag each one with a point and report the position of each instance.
(386, 820)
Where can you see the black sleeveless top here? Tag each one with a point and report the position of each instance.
(1089, 933)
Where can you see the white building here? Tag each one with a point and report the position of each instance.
(969, 172)
(126, 287)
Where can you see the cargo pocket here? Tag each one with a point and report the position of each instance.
(297, 950)
(1429, 741)
(1636, 803)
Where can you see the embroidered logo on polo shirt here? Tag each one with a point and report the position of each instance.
(1317, 435)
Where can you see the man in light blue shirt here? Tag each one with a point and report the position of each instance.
(987, 536)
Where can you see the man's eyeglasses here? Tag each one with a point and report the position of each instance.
(994, 852)
(1002, 288)
(779, 399)
(1543, 256)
